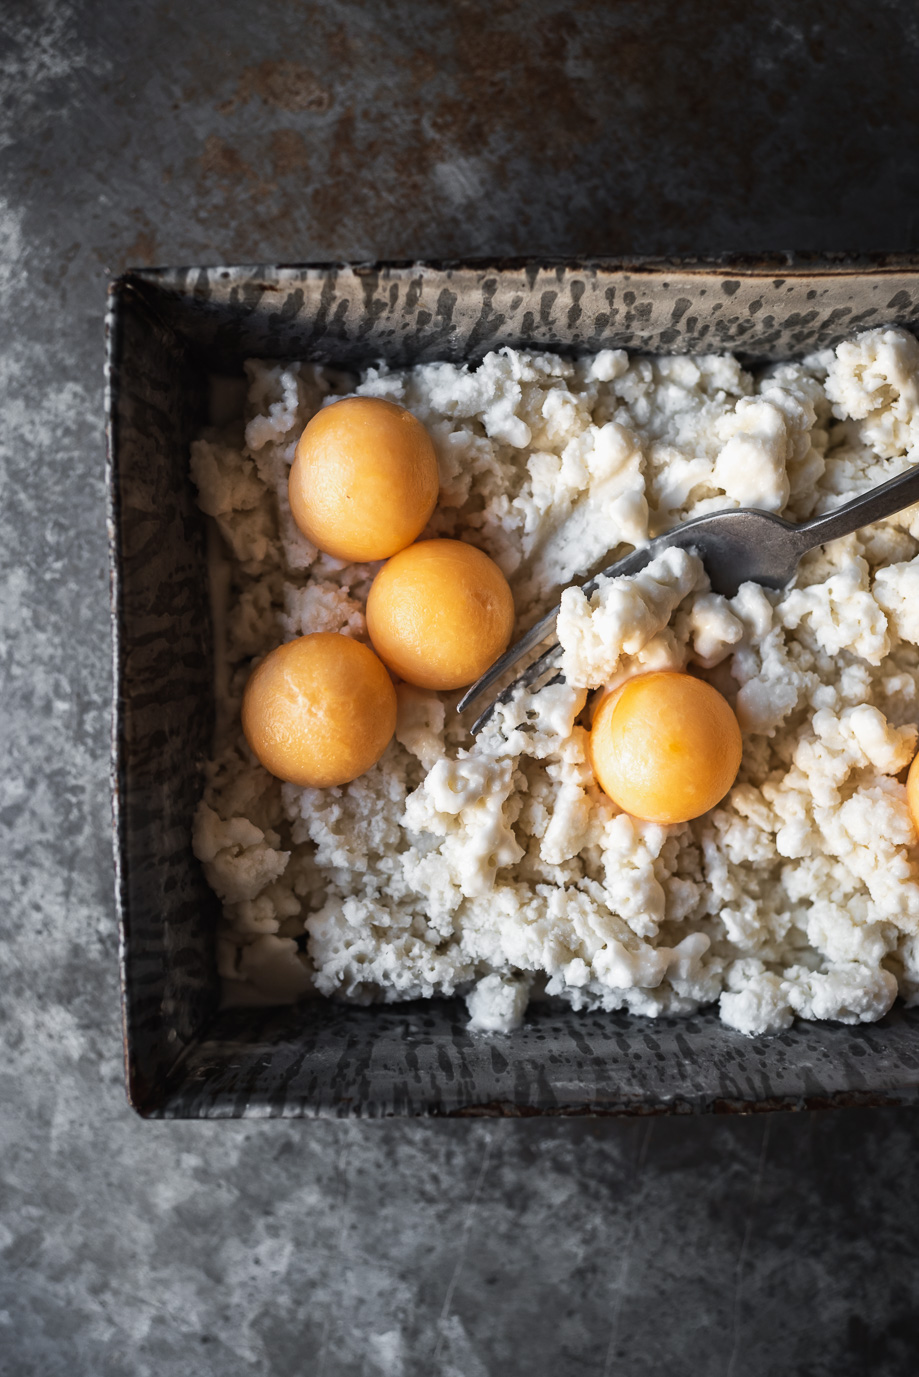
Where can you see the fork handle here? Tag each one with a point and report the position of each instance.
(874, 505)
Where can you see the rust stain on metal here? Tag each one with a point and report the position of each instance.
(284, 84)
(141, 251)
(219, 159)
(288, 152)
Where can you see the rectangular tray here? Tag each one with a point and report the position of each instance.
(167, 330)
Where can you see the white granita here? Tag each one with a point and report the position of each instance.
(495, 868)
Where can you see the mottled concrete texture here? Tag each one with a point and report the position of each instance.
(134, 133)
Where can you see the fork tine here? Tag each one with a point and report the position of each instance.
(543, 628)
(529, 641)
(532, 672)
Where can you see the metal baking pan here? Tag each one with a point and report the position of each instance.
(167, 330)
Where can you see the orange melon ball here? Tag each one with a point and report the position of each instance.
(439, 613)
(320, 710)
(912, 791)
(364, 479)
(666, 747)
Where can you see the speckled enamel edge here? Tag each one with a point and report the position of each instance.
(330, 1061)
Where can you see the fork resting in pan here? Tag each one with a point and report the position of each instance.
(737, 546)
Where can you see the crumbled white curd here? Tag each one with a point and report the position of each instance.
(495, 868)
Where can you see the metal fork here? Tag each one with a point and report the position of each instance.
(739, 546)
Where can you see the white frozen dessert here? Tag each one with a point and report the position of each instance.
(495, 867)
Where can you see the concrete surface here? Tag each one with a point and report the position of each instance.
(137, 132)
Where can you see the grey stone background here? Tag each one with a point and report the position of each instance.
(221, 131)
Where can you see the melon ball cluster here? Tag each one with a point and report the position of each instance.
(321, 710)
